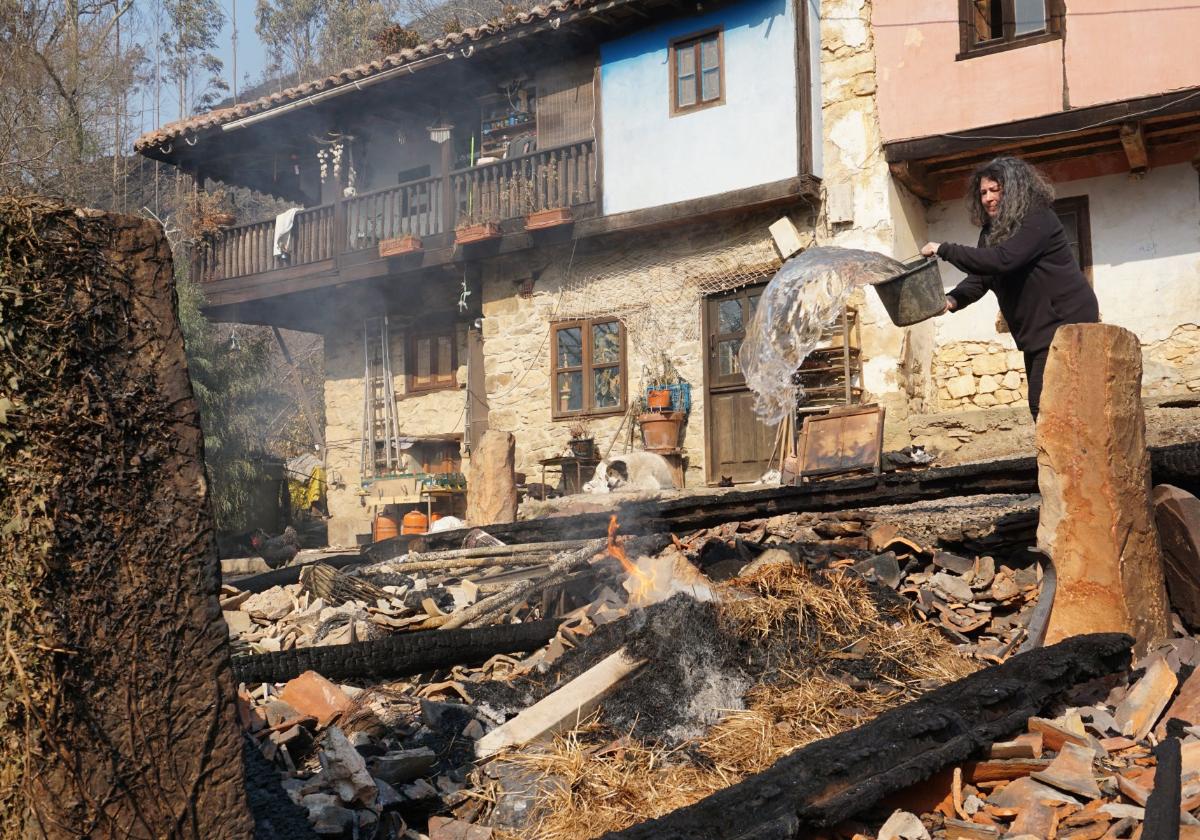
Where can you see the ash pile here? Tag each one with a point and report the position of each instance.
(575, 688)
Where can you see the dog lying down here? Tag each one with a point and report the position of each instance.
(631, 471)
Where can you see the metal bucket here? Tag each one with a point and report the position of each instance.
(915, 295)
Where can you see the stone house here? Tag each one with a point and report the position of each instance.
(519, 222)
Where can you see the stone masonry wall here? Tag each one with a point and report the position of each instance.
(976, 374)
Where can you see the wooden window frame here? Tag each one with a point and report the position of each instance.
(586, 368)
(1078, 204)
(1055, 18)
(442, 382)
(672, 89)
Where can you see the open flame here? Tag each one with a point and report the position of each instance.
(643, 583)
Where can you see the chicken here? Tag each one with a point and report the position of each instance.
(277, 551)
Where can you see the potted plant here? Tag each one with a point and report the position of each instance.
(660, 424)
(544, 218)
(581, 444)
(472, 227)
(406, 244)
(662, 385)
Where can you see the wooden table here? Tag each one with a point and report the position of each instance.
(575, 472)
(430, 493)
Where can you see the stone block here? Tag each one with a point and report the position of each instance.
(1004, 396)
(987, 384)
(491, 481)
(986, 401)
(1015, 360)
(961, 386)
(1097, 521)
(992, 363)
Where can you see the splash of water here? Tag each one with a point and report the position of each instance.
(804, 298)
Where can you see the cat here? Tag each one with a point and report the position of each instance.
(726, 481)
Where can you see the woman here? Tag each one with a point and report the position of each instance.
(1024, 257)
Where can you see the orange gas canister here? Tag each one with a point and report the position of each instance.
(386, 526)
(414, 522)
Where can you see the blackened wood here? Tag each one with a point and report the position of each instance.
(397, 655)
(839, 777)
(1162, 808)
(1178, 464)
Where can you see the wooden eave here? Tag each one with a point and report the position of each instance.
(1131, 136)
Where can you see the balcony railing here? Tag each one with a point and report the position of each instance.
(564, 176)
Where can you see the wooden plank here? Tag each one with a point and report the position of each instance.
(1134, 142)
(562, 708)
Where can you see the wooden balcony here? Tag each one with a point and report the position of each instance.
(349, 230)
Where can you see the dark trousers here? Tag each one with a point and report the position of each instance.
(1035, 367)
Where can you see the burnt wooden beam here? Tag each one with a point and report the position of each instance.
(840, 777)
(1162, 808)
(1134, 142)
(1178, 464)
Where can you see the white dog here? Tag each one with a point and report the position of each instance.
(631, 471)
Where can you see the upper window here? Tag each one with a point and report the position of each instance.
(1073, 213)
(992, 25)
(697, 72)
(432, 361)
(589, 368)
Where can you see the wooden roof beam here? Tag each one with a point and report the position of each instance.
(1134, 141)
(915, 179)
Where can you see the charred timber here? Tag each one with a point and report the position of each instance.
(398, 655)
(1178, 464)
(839, 777)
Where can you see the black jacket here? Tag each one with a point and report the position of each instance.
(1035, 278)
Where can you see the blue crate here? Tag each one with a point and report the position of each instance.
(681, 395)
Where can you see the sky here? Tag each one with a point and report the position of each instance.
(251, 56)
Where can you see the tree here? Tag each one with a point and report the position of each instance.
(310, 38)
(188, 57)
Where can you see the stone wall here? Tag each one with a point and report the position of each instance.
(976, 374)
(1172, 366)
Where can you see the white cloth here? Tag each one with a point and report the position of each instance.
(283, 231)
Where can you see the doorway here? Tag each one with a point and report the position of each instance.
(739, 444)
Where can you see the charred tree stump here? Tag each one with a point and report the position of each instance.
(839, 777)
(119, 712)
(397, 655)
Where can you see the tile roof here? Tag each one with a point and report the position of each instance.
(213, 119)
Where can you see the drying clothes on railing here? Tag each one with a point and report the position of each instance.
(284, 223)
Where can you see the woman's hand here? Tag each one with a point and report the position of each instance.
(929, 249)
(951, 304)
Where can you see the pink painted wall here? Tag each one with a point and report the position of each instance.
(1113, 54)
(1110, 54)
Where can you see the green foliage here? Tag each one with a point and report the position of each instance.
(189, 56)
(229, 378)
(314, 37)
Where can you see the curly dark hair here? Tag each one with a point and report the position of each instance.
(1024, 187)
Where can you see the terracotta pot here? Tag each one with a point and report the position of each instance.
(466, 234)
(543, 219)
(386, 527)
(407, 244)
(582, 447)
(660, 430)
(415, 522)
(658, 400)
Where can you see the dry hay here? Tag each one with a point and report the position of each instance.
(591, 785)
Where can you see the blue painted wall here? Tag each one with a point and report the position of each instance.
(651, 158)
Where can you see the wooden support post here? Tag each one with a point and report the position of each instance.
(1134, 142)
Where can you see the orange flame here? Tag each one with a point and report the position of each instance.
(614, 549)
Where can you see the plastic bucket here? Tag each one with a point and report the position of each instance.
(914, 295)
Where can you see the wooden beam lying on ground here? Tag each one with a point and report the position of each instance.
(562, 708)
(829, 781)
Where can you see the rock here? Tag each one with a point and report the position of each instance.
(271, 605)
(402, 766)
(434, 712)
(419, 791)
(961, 386)
(988, 385)
(492, 479)
(388, 797)
(883, 568)
(989, 365)
(902, 825)
(312, 694)
(1096, 521)
(444, 828)
(345, 770)
(953, 563)
(1011, 380)
(1177, 515)
(239, 622)
(277, 711)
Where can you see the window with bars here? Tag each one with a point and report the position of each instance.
(432, 360)
(588, 375)
(697, 64)
(994, 25)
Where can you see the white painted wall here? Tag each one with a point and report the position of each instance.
(651, 158)
(1145, 254)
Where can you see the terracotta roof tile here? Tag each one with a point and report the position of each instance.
(201, 122)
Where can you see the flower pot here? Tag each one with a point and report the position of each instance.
(582, 447)
(407, 244)
(466, 234)
(658, 399)
(660, 430)
(543, 219)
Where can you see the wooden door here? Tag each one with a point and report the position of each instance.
(739, 444)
